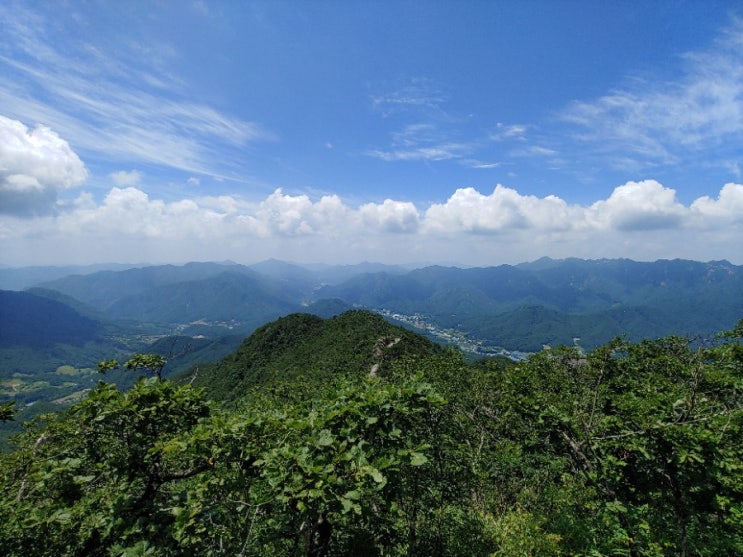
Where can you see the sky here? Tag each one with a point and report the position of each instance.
(469, 133)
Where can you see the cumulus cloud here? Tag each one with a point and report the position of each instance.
(725, 210)
(123, 178)
(390, 216)
(35, 164)
(645, 205)
(640, 220)
(504, 210)
(298, 215)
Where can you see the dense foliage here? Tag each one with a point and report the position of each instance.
(633, 449)
(303, 345)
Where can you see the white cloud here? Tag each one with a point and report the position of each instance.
(474, 163)
(640, 220)
(122, 105)
(421, 142)
(442, 152)
(645, 205)
(34, 166)
(533, 151)
(122, 178)
(298, 215)
(416, 94)
(505, 131)
(503, 211)
(390, 216)
(650, 122)
(725, 210)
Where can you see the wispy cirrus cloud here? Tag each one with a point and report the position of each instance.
(478, 164)
(422, 142)
(509, 131)
(417, 94)
(430, 134)
(433, 133)
(651, 122)
(122, 105)
(440, 152)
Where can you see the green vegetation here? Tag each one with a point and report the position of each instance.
(38, 322)
(7, 411)
(521, 307)
(304, 348)
(351, 437)
(526, 306)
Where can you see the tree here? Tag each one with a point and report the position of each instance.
(150, 363)
(104, 473)
(7, 411)
(633, 449)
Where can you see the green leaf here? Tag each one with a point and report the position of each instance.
(418, 459)
(325, 438)
(354, 495)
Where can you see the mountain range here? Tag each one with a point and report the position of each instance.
(520, 307)
(53, 334)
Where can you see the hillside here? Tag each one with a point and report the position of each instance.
(183, 352)
(38, 322)
(226, 297)
(631, 449)
(300, 346)
(104, 289)
(526, 306)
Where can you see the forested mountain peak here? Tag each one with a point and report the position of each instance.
(301, 345)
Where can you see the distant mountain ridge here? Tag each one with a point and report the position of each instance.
(21, 278)
(552, 302)
(519, 307)
(38, 322)
(53, 335)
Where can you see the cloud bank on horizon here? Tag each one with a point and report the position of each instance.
(147, 146)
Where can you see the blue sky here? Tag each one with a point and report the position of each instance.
(474, 133)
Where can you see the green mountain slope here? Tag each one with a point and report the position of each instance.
(37, 322)
(518, 307)
(104, 289)
(229, 296)
(550, 302)
(184, 352)
(302, 345)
